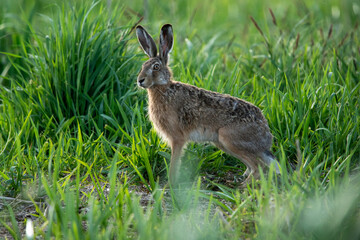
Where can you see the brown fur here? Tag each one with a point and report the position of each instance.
(181, 113)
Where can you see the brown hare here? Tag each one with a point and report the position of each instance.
(181, 112)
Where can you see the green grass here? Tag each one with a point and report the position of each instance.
(80, 160)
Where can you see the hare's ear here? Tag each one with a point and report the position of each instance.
(147, 43)
(166, 42)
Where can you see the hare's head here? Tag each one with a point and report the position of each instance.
(155, 71)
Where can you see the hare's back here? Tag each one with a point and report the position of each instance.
(209, 105)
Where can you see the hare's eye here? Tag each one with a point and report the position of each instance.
(156, 66)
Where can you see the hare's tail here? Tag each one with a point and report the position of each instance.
(269, 159)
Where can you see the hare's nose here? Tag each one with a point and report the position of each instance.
(141, 81)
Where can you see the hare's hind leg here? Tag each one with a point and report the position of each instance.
(237, 148)
(249, 159)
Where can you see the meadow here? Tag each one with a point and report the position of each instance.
(79, 158)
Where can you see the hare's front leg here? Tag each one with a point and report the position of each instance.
(176, 151)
